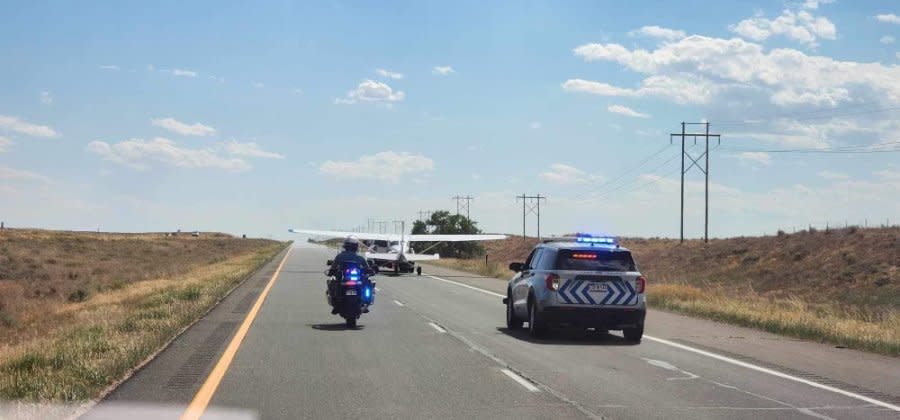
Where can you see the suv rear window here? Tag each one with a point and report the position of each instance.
(595, 261)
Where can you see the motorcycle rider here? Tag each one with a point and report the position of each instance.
(350, 256)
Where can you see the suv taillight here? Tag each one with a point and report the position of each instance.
(640, 284)
(552, 281)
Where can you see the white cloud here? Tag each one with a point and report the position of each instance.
(258, 85)
(596, 88)
(891, 173)
(139, 153)
(680, 88)
(250, 150)
(372, 91)
(887, 39)
(814, 4)
(712, 66)
(384, 166)
(443, 70)
(110, 67)
(217, 78)
(184, 73)
(654, 31)
(761, 158)
(13, 175)
(562, 174)
(4, 142)
(831, 175)
(799, 26)
(389, 74)
(298, 91)
(534, 125)
(184, 129)
(626, 111)
(46, 98)
(16, 125)
(888, 18)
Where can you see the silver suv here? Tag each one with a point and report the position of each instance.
(584, 281)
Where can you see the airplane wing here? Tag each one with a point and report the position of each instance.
(453, 238)
(340, 234)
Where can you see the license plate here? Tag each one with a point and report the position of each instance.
(351, 292)
(599, 287)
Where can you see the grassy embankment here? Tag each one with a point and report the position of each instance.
(841, 286)
(79, 310)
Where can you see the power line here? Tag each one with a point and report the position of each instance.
(626, 171)
(633, 180)
(646, 182)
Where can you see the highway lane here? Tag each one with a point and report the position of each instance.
(432, 348)
(299, 361)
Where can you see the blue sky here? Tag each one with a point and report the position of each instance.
(252, 118)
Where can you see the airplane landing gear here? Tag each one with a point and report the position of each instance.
(419, 270)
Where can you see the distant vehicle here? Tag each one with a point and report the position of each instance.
(391, 252)
(195, 233)
(584, 281)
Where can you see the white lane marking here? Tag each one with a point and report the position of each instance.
(662, 364)
(398, 303)
(437, 327)
(670, 367)
(775, 373)
(522, 381)
(467, 286)
(725, 359)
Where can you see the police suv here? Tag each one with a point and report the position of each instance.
(583, 281)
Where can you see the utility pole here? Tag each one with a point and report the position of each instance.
(694, 162)
(460, 205)
(531, 204)
(424, 215)
(382, 226)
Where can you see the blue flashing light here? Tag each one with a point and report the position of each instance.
(353, 274)
(368, 293)
(589, 239)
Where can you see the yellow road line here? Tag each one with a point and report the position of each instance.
(204, 395)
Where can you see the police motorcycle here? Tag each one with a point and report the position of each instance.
(349, 290)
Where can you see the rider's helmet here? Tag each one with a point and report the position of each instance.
(351, 244)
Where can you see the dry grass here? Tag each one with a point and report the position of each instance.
(63, 349)
(859, 328)
(841, 286)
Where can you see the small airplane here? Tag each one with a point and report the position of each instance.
(392, 252)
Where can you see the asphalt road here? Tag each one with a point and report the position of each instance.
(436, 347)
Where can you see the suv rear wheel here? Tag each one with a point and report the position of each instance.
(536, 326)
(512, 321)
(634, 334)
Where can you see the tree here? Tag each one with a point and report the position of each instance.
(442, 222)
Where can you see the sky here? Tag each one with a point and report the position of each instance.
(255, 117)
